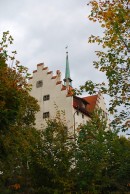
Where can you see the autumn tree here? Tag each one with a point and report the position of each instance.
(16, 105)
(114, 61)
(17, 117)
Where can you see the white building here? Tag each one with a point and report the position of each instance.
(53, 95)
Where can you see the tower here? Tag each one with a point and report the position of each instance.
(67, 79)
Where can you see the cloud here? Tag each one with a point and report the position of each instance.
(42, 29)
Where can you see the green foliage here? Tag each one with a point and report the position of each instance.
(118, 164)
(54, 160)
(102, 158)
(17, 117)
(16, 105)
(114, 61)
(96, 161)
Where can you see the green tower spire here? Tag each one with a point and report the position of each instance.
(67, 72)
(67, 80)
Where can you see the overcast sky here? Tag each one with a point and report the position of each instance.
(41, 30)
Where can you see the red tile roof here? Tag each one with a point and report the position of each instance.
(92, 102)
(45, 68)
(68, 95)
(70, 90)
(63, 87)
(34, 71)
(49, 72)
(54, 77)
(86, 104)
(40, 64)
(59, 82)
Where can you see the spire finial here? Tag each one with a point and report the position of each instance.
(66, 49)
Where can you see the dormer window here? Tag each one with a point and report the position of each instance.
(83, 105)
(39, 84)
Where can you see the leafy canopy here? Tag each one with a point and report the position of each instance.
(114, 61)
(17, 117)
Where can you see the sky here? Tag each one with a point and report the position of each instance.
(43, 28)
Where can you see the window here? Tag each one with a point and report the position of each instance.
(82, 116)
(104, 114)
(77, 112)
(39, 84)
(46, 115)
(46, 97)
(83, 105)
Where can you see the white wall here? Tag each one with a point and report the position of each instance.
(58, 97)
(79, 118)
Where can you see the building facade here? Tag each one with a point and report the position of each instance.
(53, 95)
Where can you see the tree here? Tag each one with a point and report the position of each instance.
(102, 158)
(52, 166)
(92, 154)
(118, 168)
(17, 117)
(16, 105)
(113, 16)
